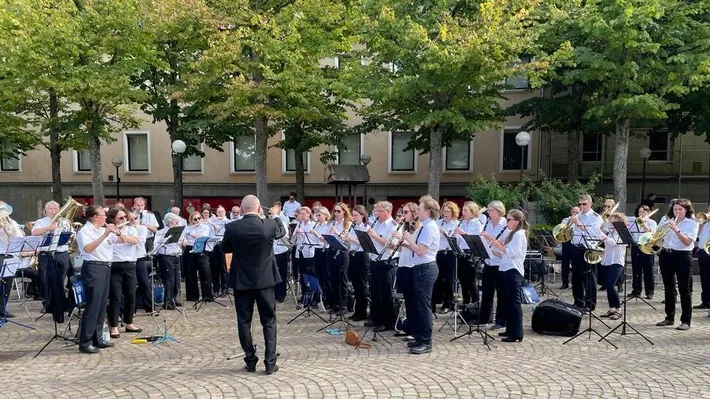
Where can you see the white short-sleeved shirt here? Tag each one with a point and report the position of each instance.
(62, 227)
(219, 224)
(589, 218)
(320, 228)
(428, 235)
(449, 228)
(142, 233)
(147, 218)
(384, 230)
(303, 247)
(290, 208)
(360, 227)
(124, 252)
(174, 249)
(689, 227)
(614, 253)
(88, 234)
(279, 247)
(472, 227)
(637, 231)
(4, 239)
(495, 231)
(194, 231)
(515, 251)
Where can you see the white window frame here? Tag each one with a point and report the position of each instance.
(444, 152)
(202, 164)
(389, 159)
(502, 143)
(307, 170)
(75, 162)
(19, 165)
(126, 156)
(669, 157)
(362, 149)
(232, 170)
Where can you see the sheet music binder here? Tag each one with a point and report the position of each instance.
(366, 242)
(199, 246)
(334, 242)
(475, 243)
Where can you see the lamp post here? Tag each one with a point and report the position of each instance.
(644, 153)
(365, 160)
(179, 147)
(117, 162)
(522, 139)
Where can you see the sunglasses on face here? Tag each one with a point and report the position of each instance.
(121, 218)
(196, 219)
(337, 210)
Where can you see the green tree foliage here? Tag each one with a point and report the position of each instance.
(512, 195)
(554, 198)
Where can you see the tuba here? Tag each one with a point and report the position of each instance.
(701, 217)
(64, 217)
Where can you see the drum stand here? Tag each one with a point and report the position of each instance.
(483, 333)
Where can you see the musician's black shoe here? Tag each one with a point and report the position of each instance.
(88, 349)
(357, 317)
(702, 306)
(104, 345)
(250, 368)
(379, 329)
(341, 312)
(178, 303)
(369, 323)
(8, 315)
(420, 350)
(564, 287)
(272, 369)
(169, 307)
(413, 344)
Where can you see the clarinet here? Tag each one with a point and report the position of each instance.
(406, 227)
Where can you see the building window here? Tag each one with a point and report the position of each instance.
(349, 154)
(138, 151)
(592, 147)
(457, 155)
(192, 163)
(83, 161)
(401, 159)
(244, 148)
(290, 161)
(658, 143)
(519, 82)
(10, 164)
(513, 155)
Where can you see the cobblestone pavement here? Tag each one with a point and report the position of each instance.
(315, 364)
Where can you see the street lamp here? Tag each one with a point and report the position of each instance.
(179, 148)
(522, 139)
(644, 153)
(365, 160)
(117, 162)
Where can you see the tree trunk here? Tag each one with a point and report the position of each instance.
(435, 162)
(573, 163)
(262, 136)
(300, 176)
(621, 154)
(55, 149)
(97, 182)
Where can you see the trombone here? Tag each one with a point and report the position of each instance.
(641, 222)
(605, 214)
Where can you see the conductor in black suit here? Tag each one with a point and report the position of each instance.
(253, 276)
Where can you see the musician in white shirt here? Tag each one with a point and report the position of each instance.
(169, 259)
(196, 263)
(642, 264)
(339, 260)
(490, 279)
(513, 247)
(320, 255)
(359, 264)
(676, 262)
(382, 268)
(470, 225)
(220, 278)
(584, 276)
(9, 229)
(405, 266)
(704, 265)
(281, 255)
(291, 207)
(446, 259)
(147, 219)
(305, 252)
(143, 264)
(424, 245)
(60, 257)
(613, 261)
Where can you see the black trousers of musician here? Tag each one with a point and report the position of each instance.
(197, 264)
(282, 264)
(584, 280)
(642, 270)
(338, 263)
(323, 274)
(704, 266)
(423, 279)
(143, 295)
(490, 284)
(58, 266)
(123, 286)
(510, 282)
(677, 265)
(404, 286)
(359, 271)
(97, 278)
(266, 304)
(567, 250)
(612, 274)
(170, 271)
(467, 279)
(445, 283)
(381, 308)
(218, 273)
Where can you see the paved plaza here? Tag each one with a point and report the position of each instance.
(316, 364)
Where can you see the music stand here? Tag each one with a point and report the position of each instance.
(637, 297)
(307, 295)
(200, 247)
(31, 243)
(9, 269)
(587, 240)
(172, 236)
(628, 240)
(456, 314)
(479, 253)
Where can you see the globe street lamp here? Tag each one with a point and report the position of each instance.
(644, 153)
(179, 148)
(522, 139)
(365, 160)
(117, 162)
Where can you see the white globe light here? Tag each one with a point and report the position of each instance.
(522, 139)
(117, 162)
(645, 153)
(365, 159)
(179, 146)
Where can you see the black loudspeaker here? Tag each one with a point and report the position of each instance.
(554, 317)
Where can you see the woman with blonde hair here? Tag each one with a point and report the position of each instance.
(446, 259)
(338, 261)
(470, 225)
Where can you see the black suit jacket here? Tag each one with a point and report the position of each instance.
(251, 241)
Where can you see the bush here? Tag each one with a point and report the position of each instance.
(484, 191)
(555, 197)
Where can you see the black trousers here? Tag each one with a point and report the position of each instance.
(445, 282)
(143, 295)
(217, 271)
(381, 308)
(282, 264)
(490, 284)
(359, 271)
(197, 264)
(642, 270)
(170, 271)
(677, 265)
(123, 286)
(567, 249)
(704, 265)
(338, 263)
(511, 280)
(266, 304)
(96, 279)
(467, 279)
(57, 267)
(320, 264)
(584, 280)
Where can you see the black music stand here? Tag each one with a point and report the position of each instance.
(201, 247)
(456, 314)
(637, 297)
(368, 247)
(628, 240)
(479, 253)
(172, 236)
(587, 239)
(308, 296)
(14, 247)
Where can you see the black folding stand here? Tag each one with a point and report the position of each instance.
(368, 247)
(307, 296)
(456, 314)
(636, 297)
(478, 255)
(14, 246)
(200, 247)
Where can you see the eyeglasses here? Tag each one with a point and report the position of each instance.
(337, 210)
(196, 219)
(510, 219)
(120, 218)
(406, 212)
(583, 203)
